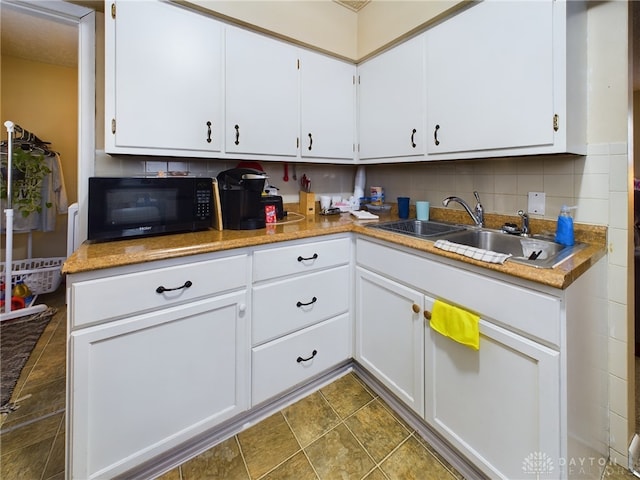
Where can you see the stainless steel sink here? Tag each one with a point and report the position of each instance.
(536, 251)
(418, 228)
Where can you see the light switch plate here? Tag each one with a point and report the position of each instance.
(536, 203)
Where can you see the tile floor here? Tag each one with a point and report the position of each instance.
(32, 437)
(342, 431)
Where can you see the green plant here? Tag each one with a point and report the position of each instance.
(28, 171)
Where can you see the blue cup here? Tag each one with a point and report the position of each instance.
(403, 207)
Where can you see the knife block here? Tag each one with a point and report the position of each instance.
(307, 203)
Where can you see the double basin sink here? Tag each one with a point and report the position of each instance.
(535, 250)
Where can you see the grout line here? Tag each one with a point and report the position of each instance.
(53, 444)
(343, 421)
(244, 460)
(300, 449)
(29, 422)
(30, 366)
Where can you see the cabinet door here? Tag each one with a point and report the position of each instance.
(389, 336)
(489, 78)
(261, 95)
(327, 107)
(143, 385)
(391, 102)
(500, 405)
(164, 80)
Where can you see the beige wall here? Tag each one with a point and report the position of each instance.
(383, 22)
(323, 24)
(43, 98)
(332, 28)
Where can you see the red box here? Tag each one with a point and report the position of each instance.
(270, 214)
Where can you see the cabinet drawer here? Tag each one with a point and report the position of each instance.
(119, 295)
(288, 305)
(533, 313)
(301, 257)
(279, 365)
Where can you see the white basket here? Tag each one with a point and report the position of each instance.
(41, 275)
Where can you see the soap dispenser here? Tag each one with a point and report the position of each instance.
(564, 229)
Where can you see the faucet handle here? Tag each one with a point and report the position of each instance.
(525, 222)
(479, 209)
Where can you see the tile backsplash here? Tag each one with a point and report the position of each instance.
(592, 182)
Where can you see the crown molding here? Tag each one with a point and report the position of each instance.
(353, 5)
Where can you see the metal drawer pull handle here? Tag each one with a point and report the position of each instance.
(302, 259)
(162, 289)
(237, 127)
(208, 132)
(435, 135)
(310, 142)
(413, 134)
(313, 354)
(313, 300)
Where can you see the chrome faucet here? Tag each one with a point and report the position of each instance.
(477, 216)
(524, 231)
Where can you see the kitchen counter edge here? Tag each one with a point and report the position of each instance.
(97, 256)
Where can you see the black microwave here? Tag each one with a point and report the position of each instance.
(145, 206)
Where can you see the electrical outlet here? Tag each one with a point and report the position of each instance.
(536, 203)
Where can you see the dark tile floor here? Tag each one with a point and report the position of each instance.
(342, 431)
(32, 437)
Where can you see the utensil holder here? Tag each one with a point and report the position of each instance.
(307, 203)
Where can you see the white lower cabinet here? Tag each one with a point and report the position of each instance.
(499, 404)
(198, 342)
(144, 384)
(511, 407)
(301, 326)
(170, 362)
(389, 335)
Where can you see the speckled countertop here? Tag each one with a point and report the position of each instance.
(96, 256)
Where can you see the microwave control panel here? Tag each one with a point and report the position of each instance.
(204, 200)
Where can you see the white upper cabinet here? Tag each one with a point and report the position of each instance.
(391, 102)
(327, 107)
(163, 87)
(501, 80)
(261, 95)
(496, 79)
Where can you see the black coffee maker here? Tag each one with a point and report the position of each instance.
(241, 198)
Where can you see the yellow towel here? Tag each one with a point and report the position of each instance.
(456, 323)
